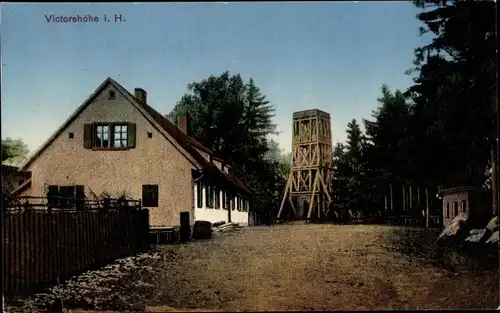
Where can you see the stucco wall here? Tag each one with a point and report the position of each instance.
(153, 161)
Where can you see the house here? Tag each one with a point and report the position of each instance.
(116, 143)
(14, 180)
(472, 201)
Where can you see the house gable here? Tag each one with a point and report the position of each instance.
(105, 112)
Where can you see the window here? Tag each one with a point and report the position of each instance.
(109, 135)
(209, 196)
(217, 198)
(455, 207)
(199, 194)
(225, 200)
(120, 136)
(150, 135)
(463, 206)
(447, 210)
(150, 196)
(66, 197)
(102, 137)
(71, 135)
(111, 95)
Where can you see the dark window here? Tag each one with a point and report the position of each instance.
(67, 195)
(199, 194)
(150, 196)
(109, 135)
(71, 135)
(150, 135)
(225, 200)
(455, 207)
(209, 195)
(111, 94)
(217, 198)
(447, 210)
(463, 206)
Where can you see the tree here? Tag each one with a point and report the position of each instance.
(454, 92)
(14, 151)
(235, 120)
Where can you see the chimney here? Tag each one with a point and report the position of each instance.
(141, 94)
(182, 124)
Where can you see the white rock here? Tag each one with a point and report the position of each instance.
(493, 238)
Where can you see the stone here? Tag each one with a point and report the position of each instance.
(457, 228)
(478, 235)
(494, 238)
(493, 224)
(202, 230)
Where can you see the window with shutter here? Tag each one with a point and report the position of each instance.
(109, 136)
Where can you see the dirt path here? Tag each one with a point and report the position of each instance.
(315, 267)
(300, 267)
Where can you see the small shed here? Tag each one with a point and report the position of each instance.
(472, 201)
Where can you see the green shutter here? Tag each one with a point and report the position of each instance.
(87, 136)
(131, 135)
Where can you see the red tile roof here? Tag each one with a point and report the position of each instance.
(190, 145)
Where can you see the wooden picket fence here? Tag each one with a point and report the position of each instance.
(42, 247)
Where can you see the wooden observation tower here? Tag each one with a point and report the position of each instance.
(308, 189)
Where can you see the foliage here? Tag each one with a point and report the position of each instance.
(14, 151)
(234, 119)
(441, 130)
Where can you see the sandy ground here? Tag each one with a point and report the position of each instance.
(313, 267)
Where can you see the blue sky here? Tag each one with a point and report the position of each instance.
(333, 56)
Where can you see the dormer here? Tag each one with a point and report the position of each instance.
(217, 163)
(204, 154)
(226, 168)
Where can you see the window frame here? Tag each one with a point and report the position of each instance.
(111, 135)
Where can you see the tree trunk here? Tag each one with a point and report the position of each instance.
(404, 198)
(392, 200)
(494, 180)
(426, 207)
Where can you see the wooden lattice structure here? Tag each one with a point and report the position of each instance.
(308, 189)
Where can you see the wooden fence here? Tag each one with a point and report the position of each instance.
(43, 247)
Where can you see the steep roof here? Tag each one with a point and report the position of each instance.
(190, 145)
